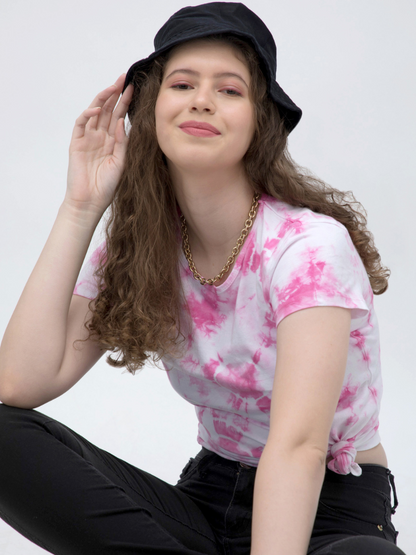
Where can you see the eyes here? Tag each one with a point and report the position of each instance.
(228, 91)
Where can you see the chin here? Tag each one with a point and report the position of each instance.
(206, 165)
(195, 160)
(192, 160)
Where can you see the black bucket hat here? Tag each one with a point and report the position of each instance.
(232, 18)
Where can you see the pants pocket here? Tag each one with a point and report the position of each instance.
(192, 466)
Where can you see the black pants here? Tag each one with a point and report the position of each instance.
(70, 497)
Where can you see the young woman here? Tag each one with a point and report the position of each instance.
(249, 279)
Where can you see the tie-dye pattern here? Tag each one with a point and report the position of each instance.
(292, 259)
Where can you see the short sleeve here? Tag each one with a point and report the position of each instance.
(320, 267)
(87, 284)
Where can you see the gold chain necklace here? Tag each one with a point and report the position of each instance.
(240, 241)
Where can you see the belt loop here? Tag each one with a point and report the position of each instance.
(393, 486)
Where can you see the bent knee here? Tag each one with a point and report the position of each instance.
(14, 420)
(7, 413)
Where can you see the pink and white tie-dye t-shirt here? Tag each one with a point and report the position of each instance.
(292, 259)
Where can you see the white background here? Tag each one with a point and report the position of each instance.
(350, 65)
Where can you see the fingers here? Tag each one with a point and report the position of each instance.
(104, 98)
(82, 121)
(121, 109)
(106, 114)
(120, 144)
(104, 95)
(100, 112)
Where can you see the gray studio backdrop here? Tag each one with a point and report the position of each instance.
(350, 64)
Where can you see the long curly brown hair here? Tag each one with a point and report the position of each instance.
(136, 313)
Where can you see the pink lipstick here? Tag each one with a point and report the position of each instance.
(199, 129)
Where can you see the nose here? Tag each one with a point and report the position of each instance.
(202, 101)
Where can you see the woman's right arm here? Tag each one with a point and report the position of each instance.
(38, 361)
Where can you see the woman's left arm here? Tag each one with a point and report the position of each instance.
(312, 350)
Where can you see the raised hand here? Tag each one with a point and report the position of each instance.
(97, 149)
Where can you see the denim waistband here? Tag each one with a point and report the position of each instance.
(376, 475)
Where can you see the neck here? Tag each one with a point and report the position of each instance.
(215, 205)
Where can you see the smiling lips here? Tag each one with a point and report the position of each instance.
(199, 129)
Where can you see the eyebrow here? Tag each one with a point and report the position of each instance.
(216, 75)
